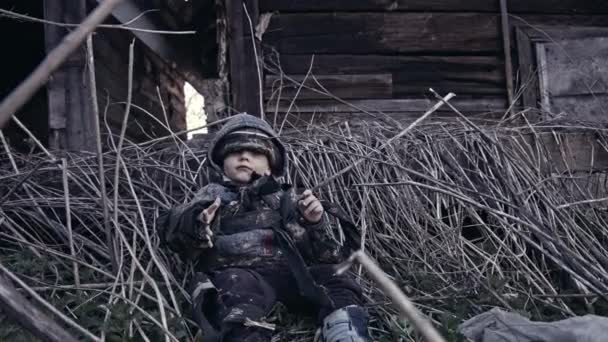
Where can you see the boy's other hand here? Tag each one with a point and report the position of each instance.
(310, 207)
(206, 217)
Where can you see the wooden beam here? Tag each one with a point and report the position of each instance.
(388, 33)
(71, 122)
(160, 44)
(516, 6)
(506, 40)
(411, 75)
(527, 70)
(244, 84)
(367, 64)
(29, 316)
(489, 104)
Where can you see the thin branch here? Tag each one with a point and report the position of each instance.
(125, 26)
(102, 177)
(68, 217)
(389, 141)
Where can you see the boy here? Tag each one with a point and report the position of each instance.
(255, 242)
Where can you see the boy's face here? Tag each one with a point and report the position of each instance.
(240, 166)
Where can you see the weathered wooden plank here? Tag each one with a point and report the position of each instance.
(342, 86)
(354, 119)
(29, 316)
(577, 67)
(418, 89)
(480, 105)
(417, 82)
(527, 70)
(244, 83)
(411, 74)
(585, 108)
(515, 6)
(576, 151)
(56, 84)
(72, 122)
(405, 33)
(367, 64)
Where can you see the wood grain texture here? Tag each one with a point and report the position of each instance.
(401, 33)
(244, 85)
(343, 86)
(366, 64)
(578, 66)
(29, 316)
(515, 6)
(480, 105)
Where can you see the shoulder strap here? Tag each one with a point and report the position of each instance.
(351, 233)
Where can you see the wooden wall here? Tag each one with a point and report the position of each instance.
(111, 48)
(385, 54)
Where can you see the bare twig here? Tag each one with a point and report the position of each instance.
(68, 217)
(99, 150)
(388, 142)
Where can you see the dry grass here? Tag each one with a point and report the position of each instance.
(462, 217)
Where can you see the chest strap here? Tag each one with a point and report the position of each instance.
(251, 220)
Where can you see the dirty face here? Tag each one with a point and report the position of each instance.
(240, 166)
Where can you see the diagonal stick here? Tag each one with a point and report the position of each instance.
(389, 141)
(404, 305)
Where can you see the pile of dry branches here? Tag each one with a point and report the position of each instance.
(462, 218)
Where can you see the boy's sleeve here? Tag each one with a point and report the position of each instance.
(179, 227)
(325, 248)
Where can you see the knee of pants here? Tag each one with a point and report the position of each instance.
(343, 290)
(243, 293)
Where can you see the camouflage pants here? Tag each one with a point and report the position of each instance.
(251, 294)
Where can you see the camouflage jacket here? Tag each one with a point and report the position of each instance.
(246, 227)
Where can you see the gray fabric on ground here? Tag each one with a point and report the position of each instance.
(497, 325)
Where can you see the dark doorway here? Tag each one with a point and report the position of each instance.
(23, 50)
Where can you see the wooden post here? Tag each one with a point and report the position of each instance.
(71, 122)
(506, 40)
(30, 317)
(242, 49)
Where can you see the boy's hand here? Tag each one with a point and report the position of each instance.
(310, 207)
(206, 217)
